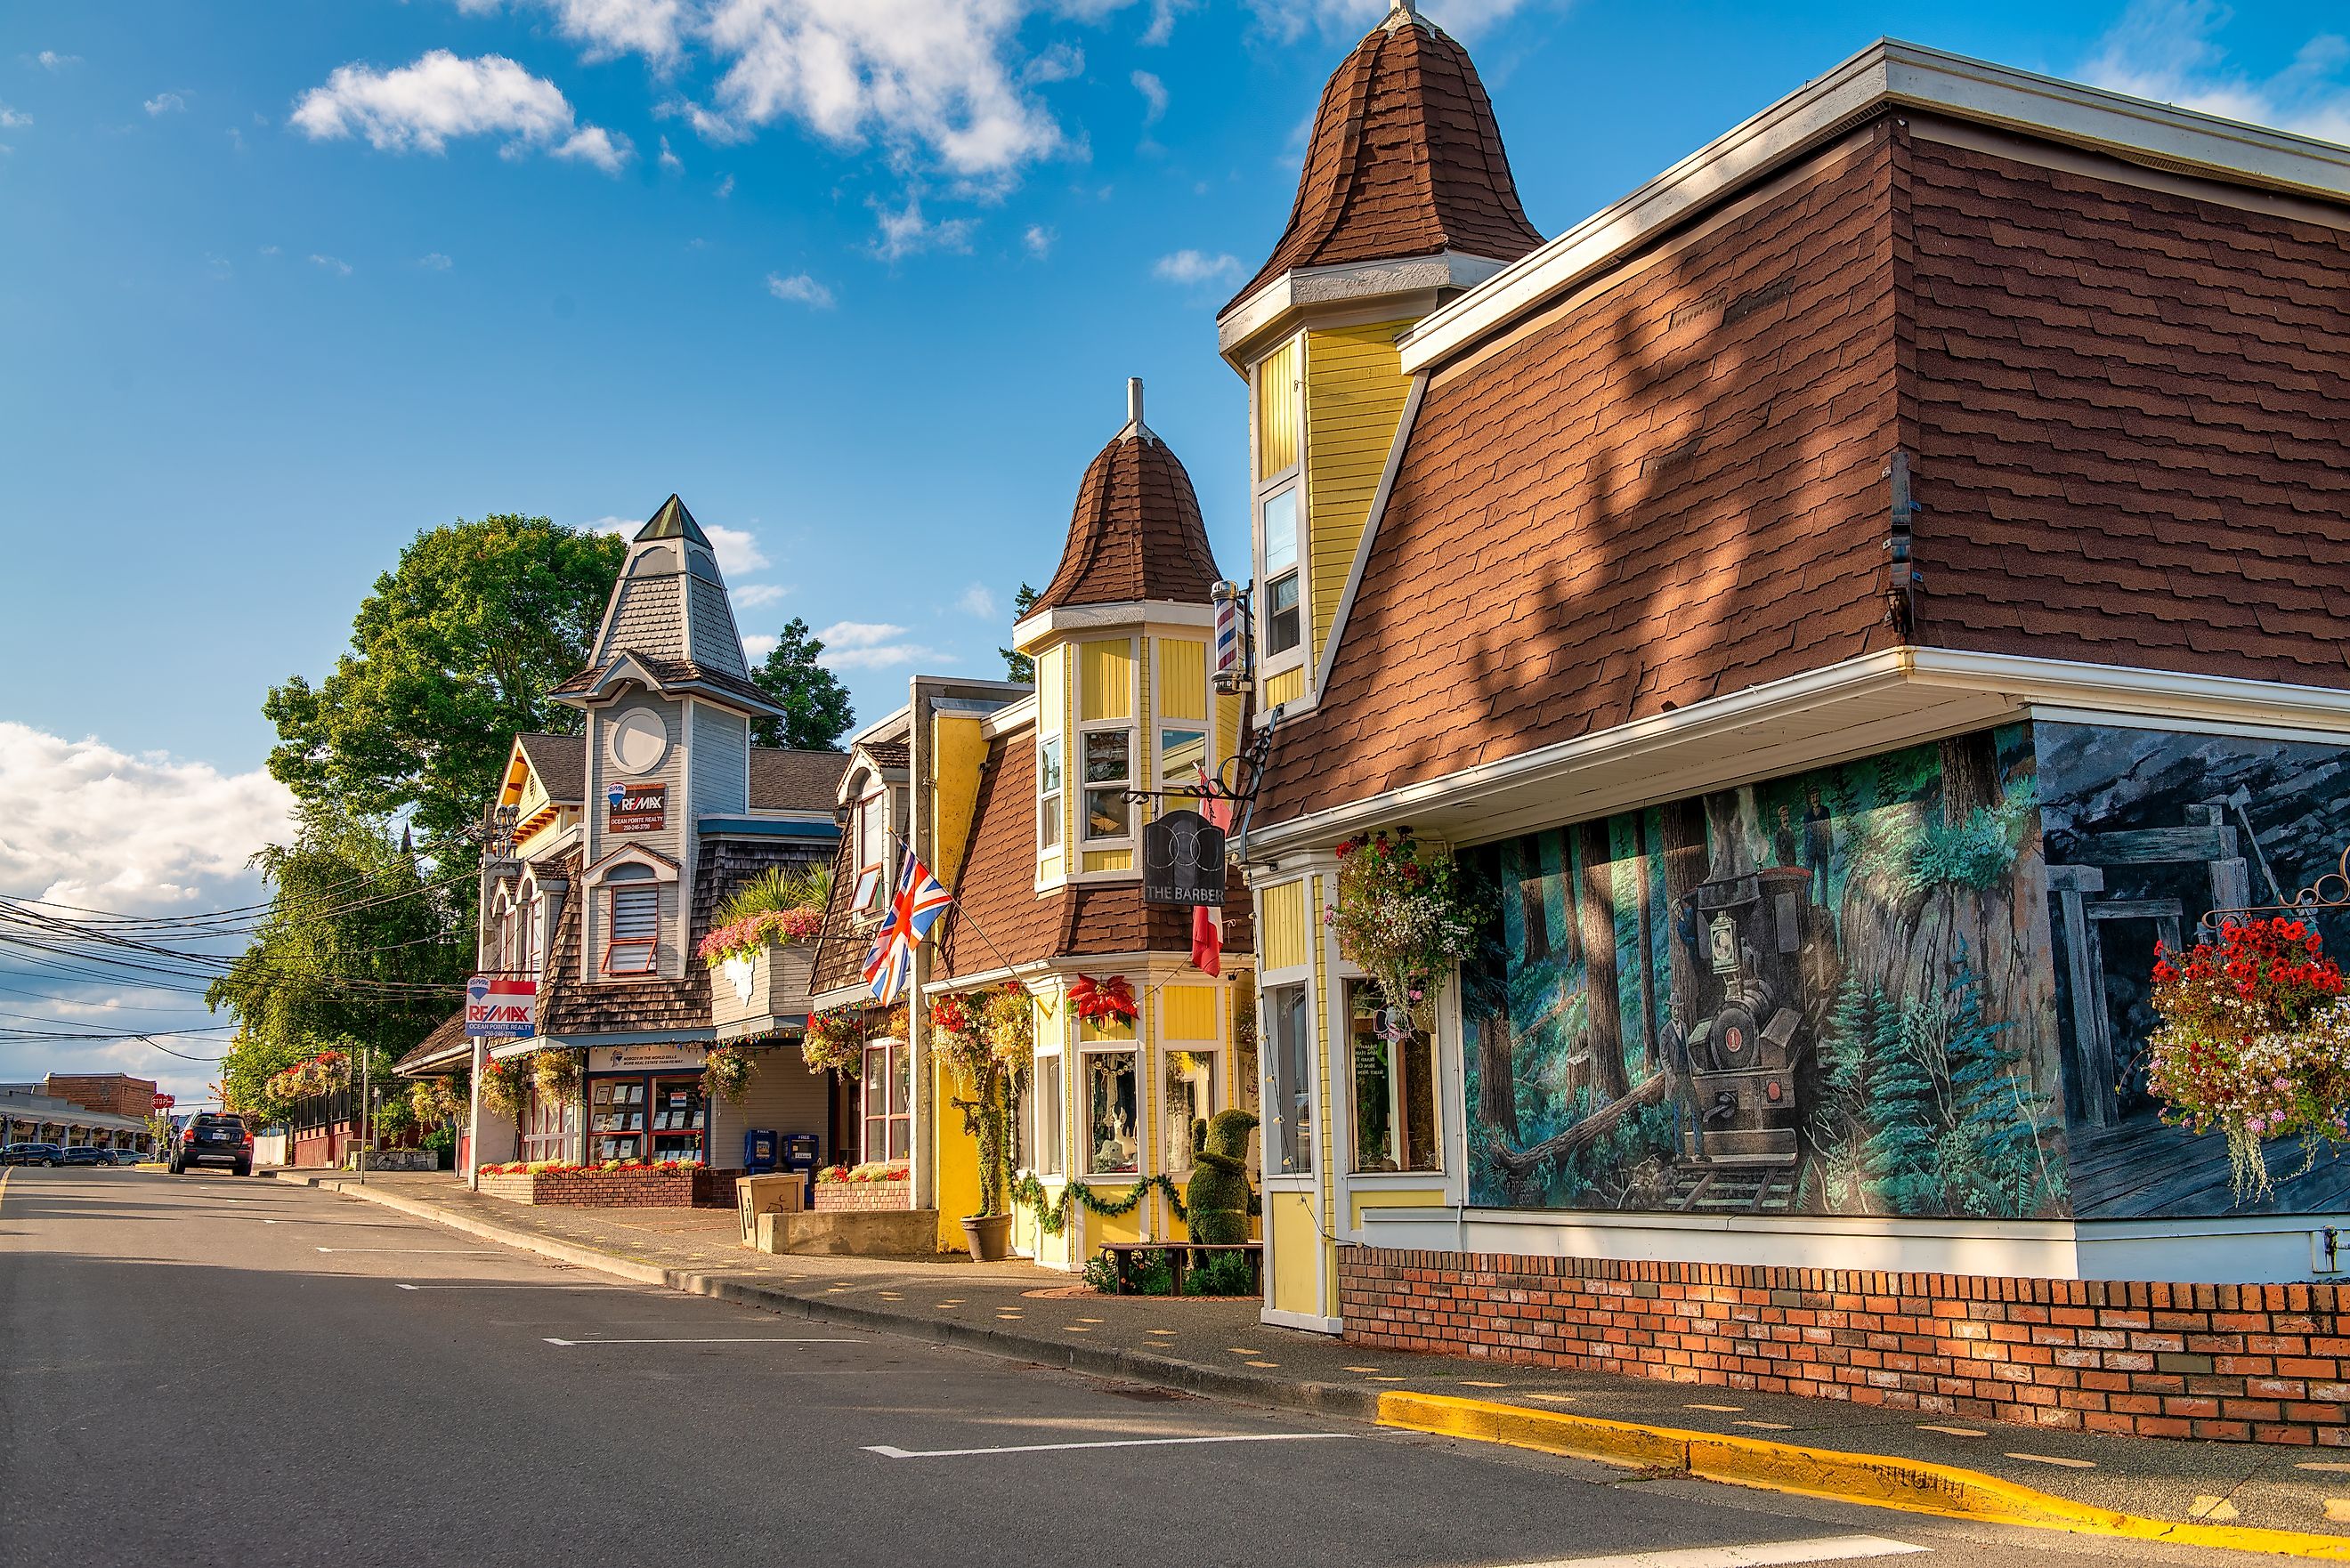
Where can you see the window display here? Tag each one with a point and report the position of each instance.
(623, 1114)
(1190, 1094)
(1395, 1089)
(1115, 1149)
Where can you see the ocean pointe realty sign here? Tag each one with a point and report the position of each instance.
(497, 1008)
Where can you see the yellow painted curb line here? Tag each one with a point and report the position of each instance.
(1913, 1486)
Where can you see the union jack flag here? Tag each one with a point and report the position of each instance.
(914, 908)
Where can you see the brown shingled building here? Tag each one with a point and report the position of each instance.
(1841, 605)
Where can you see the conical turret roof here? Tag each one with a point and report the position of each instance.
(1406, 160)
(1136, 532)
(672, 522)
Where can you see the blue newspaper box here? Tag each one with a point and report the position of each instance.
(801, 1151)
(759, 1150)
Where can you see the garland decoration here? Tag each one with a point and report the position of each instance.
(1103, 1001)
(1053, 1213)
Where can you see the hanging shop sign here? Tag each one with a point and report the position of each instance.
(636, 808)
(649, 1058)
(500, 1008)
(1183, 860)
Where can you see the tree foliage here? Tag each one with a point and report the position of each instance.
(1018, 665)
(816, 710)
(356, 951)
(453, 652)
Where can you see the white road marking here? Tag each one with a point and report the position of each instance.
(419, 1251)
(886, 1452)
(1953, 1431)
(2052, 1460)
(762, 1339)
(1761, 1555)
(518, 1285)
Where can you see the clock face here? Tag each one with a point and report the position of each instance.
(639, 742)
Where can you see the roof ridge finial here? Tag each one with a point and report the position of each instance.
(1402, 14)
(1134, 425)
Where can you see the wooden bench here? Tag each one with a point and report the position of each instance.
(1179, 1257)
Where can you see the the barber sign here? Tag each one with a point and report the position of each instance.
(501, 1009)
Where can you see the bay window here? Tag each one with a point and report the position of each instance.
(1046, 1112)
(1109, 773)
(1277, 517)
(1188, 1096)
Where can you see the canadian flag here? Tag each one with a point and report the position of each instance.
(1206, 920)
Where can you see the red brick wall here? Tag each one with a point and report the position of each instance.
(599, 1188)
(2267, 1364)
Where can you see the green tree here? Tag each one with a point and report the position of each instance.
(1018, 665)
(355, 950)
(452, 654)
(817, 711)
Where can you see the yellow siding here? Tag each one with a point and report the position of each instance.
(1228, 726)
(1281, 925)
(1191, 1012)
(1295, 1251)
(1051, 665)
(1106, 680)
(1048, 869)
(1182, 679)
(1416, 1198)
(1289, 686)
(1276, 410)
(957, 750)
(1110, 861)
(1355, 395)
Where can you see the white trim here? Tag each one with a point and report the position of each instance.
(1068, 620)
(1918, 693)
(1886, 74)
(1370, 535)
(1010, 718)
(1345, 283)
(663, 868)
(1310, 1322)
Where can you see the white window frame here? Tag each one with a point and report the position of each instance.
(1269, 1097)
(1086, 842)
(1162, 728)
(1261, 491)
(869, 823)
(1133, 1051)
(1051, 805)
(613, 941)
(1051, 1154)
(1397, 1124)
(597, 915)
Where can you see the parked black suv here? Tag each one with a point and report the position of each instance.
(32, 1154)
(86, 1154)
(214, 1139)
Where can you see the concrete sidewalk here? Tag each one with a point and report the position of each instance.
(1219, 1347)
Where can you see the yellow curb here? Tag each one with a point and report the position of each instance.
(1912, 1486)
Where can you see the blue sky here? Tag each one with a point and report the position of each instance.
(861, 279)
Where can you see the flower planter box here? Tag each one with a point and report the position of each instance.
(862, 1197)
(762, 992)
(603, 1188)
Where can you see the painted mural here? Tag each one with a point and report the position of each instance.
(1825, 994)
(2146, 832)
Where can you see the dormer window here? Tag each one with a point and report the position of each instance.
(634, 921)
(872, 851)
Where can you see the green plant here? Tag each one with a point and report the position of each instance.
(1101, 1273)
(1218, 1200)
(1221, 1275)
(504, 1086)
(1403, 919)
(778, 891)
(835, 1042)
(726, 1073)
(441, 1137)
(556, 1071)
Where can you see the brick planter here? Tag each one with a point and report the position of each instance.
(862, 1197)
(603, 1188)
(2265, 1364)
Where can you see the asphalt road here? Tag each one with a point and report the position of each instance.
(203, 1370)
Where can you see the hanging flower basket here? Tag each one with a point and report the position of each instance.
(1008, 1019)
(1403, 919)
(556, 1074)
(835, 1042)
(503, 1086)
(2254, 1044)
(726, 1073)
(1103, 1001)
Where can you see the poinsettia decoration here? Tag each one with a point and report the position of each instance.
(1108, 1000)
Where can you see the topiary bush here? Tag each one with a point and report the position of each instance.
(1217, 1200)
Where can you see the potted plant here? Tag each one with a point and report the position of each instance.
(1405, 920)
(986, 1039)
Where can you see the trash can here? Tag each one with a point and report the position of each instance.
(801, 1150)
(759, 1150)
(757, 1195)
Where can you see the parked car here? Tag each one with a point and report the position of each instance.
(86, 1154)
(212, 1138)
(32, 1154)
(126, 1155)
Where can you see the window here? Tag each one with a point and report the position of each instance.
(636, 922)
(1046, 1099)
(889, 1100)
(529, 964)
(1277, 516)
(1048, 794)
(677, 1118)
(616, 1118)
(872, 849)
(1109, 773)
(1281, 624)
(1182, 755)
(1189, 1095)
(1113, 1143)
(1289, 1072)
(1395, 1088)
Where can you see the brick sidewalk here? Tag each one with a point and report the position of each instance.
(1218, 1346)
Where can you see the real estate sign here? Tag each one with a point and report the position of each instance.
(499, 1008)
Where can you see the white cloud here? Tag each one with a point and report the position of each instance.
(1039, 239)
(419, 107)
(757, 596)
(937, 81)
(433, 261)
(725, 188)
(1059, 63)
(737, 549)
(670, 162)
(164, 103)
(653, 28)
(12, 119)
(1192, 268)
(1154, 97)
(50, 60)
(2166, 50)
(757, 645)
(335, 264)
(626, 527)
(800, 289)
(978, 599)
(906, 231)
(868, 645)
(271, 251)
(82, 823)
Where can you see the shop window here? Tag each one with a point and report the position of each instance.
(1289, 1068)
(1109, 773)
(1048, 1109)
(1048, 794)
(1113, 1141)
(635, 912)
(616, 1118)
(1395, 1089)
(676, 1123)
(1188, 1096)
(889, 1100)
